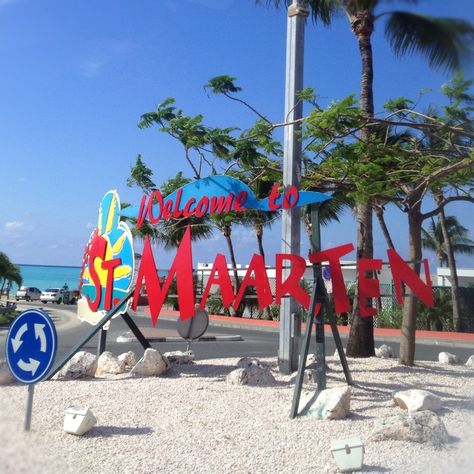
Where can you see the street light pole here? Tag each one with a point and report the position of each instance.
(290, 323)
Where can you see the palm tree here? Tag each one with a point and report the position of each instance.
(443, 41)
(9, 273)
(223, 222)
(445, 238)
(433, 239)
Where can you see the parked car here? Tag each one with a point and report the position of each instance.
(52, 295)
(28, 293)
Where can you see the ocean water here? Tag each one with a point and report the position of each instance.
(49, 276)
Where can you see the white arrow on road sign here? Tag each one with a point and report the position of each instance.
(39, 334)
(16, 341)
(31, 366)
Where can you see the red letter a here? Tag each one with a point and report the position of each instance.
(291, 286)
(260, 282)
(223, 280)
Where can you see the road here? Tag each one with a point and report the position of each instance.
(256, 341)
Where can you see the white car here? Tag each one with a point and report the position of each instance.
(52, 295)
(28, 293)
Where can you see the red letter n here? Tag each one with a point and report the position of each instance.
(401, 272)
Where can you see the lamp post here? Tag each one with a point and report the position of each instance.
(290, 323)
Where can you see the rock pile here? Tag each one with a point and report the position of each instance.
(250, 371)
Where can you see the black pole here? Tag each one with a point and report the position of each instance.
(136, 331)
(303, 354)
(320, 294)
(102, 341)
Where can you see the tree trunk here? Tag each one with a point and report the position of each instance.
(383, 225)
(452, 268)
(259, 234)
(267, 314)
(410, 302)
(227, 231)
(361, 337)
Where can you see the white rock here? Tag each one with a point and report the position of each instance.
(250, 372)
(128, 358)
(180, 357)
(417, 400)
(237, 377)
(336, 354)
(151, 364)
(258, 375)
(419, 427)
(6, 376)
(109, 364)
(82, 364)
(332, 404)
(384, 352)
(310, 359)
(248, 362)
(470, 361)
(448, 358)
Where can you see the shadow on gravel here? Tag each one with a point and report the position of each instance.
(366, 468)
(199, 370)
(107, 431)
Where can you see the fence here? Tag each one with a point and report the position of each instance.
(438, 318)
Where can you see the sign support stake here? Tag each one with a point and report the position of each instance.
(102, 342)
(29, 406)
(136, 331)
(318, 295)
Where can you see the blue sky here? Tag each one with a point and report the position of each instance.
(76, 76)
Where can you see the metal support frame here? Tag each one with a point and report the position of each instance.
(318, 296)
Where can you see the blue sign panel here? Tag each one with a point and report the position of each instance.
(31, 346)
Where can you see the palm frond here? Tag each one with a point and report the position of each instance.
(443, 41)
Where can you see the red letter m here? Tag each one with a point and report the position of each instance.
(184, 278)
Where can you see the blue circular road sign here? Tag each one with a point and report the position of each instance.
(31, 346)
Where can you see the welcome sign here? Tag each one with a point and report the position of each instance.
(108, 265)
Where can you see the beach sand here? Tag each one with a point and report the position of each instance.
(192, 421)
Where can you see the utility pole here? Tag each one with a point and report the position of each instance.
(290, 322)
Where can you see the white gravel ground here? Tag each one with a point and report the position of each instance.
(192, 421)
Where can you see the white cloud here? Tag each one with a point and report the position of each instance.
(91, 68)
(15, 226)
(104, 53)
(21, 179)
(90, 225)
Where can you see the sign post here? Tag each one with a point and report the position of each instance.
(288, 350)
(30, 350)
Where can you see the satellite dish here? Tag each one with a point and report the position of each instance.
(194, 328)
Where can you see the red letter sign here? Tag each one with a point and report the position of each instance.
(260, 282)
(341, 301)
(401, 272)
(156, 295)
(223, 280)
(368, 287)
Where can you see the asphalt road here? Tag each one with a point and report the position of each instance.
(256, 342)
